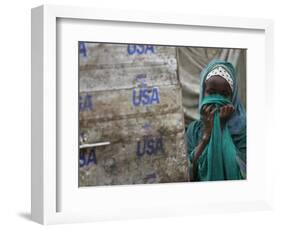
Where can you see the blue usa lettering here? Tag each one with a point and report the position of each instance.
(86, 159)
(85, 103)
(150, 146)
(82, 49)
(146, 96)
(140, 49)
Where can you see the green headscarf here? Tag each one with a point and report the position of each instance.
(224, 158)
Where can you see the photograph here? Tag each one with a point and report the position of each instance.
(152, 114)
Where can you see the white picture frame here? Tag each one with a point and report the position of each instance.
(54, 201)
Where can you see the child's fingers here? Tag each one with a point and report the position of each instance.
(226, 111)
(208, 109)
(213, 111)
(222, 109)
(230, 109)
(211, 115)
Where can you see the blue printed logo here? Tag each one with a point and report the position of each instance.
(145, 96)
(82, 49)
(140, 49)
(86, 159)
(85, 103)
(150, 146)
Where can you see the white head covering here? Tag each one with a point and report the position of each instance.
(222, 72)
(238, 119)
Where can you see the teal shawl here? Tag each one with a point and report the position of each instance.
(224, 158)
(218, 160)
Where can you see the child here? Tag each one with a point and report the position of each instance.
(216, 142)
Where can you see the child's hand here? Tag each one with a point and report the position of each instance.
(208, 118)
(225, 113)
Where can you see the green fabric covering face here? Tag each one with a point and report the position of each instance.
(236, 127)
(218, 160)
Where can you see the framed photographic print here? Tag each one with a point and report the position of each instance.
(138, 115)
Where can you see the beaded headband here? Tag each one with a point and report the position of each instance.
(222, 72)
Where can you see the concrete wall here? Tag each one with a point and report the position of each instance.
(130, 96)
